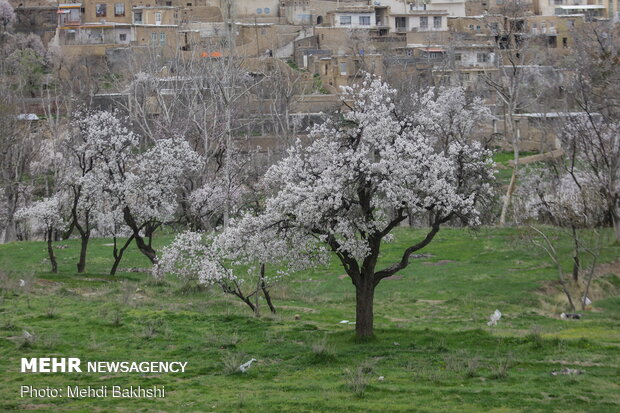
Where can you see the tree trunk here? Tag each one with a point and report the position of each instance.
(616, 219)
(81, 265)
(576, 264)
(50, 251)
(144, 248)
(514, 138)
(118, 254)
(364, 296)
(263, 287)
(508, 196)
(10, 231)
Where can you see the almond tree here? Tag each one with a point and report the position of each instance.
(362, 177)
(7, 15)
(568, 200)
(592, 145)
(139, 187)
(236, 260)
(44, 217)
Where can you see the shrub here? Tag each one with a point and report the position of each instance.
(231, 362)
(323, 351)
(357, 381)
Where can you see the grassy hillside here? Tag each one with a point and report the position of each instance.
(433, 347)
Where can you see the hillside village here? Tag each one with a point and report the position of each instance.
(316, 205)
(315, 47)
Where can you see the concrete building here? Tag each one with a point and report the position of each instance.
(419, 21)
(111, 24)
(569, 7)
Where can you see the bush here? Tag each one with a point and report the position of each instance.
(322, 351)
(357, 380)
(500, 370)
(231, 362)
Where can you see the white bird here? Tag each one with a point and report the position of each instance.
(381, 378)
(22, 283)
(494, 318)
(587, 301)
(563, 316)
(246, 366)
(344, 322)
(27, 335)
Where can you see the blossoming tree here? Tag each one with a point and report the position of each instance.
(568, 200)
(592, 144)
(363, 176)
(137, 187)
(237, 259)
(45, 217)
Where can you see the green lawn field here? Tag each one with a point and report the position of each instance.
(433, 350)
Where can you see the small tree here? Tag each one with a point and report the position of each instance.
(236, 260)
(592, 144)
(7, 15)
(149, 189)
(44, 217)
(568, 201)
(138, 186)
(362, 177)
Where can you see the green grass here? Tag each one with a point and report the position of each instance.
(432, 344)
(502, 158)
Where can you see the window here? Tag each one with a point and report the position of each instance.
(168, 3)
(482, 57)
(343, 68)
(558, 2)
(157, 18)
(423, 22)
(437, 22)
(122, 37)
(100, 10)
(119, 9)
(137, 17)
(162, 39)
(471, 27)
(565, 42)
(458, 57)
(153, 38)
(401, 24)
(345, 20)
(435, 55)
(552, 41)
(364, 20)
